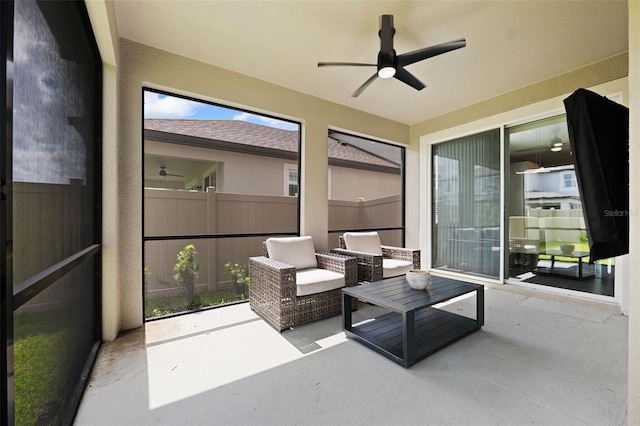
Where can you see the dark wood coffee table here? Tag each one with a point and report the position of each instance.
(414, 329)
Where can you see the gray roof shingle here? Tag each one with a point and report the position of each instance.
(251, 134)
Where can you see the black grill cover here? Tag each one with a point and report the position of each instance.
(599, 137)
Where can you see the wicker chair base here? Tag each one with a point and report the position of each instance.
(272, 291)
(288, 313)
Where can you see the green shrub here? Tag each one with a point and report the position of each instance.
(239, 278)
(187, 272)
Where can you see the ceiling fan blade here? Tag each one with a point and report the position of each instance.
(429, 52)
(386, 35)
(163, 172)
(364, 85)
(342, 64)
(408, 78)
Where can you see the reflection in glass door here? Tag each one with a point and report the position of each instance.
(547, 236)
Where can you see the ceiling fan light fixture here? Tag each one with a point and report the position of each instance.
(386, 72)
(556, 143)
(390, 64)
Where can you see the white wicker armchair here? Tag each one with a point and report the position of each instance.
(377, 261)
(292, 284)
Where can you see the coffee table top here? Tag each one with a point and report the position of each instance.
(395, 293)
(575, 253)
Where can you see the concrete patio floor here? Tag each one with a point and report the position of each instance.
(539, 359)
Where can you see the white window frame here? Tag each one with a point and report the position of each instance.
(288, 168)
(573, 180)
(210, 171)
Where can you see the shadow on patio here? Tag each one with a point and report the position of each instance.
(536, 360)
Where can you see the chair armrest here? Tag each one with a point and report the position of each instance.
(369, 264)
(269, 276)
(345, 265)
(401, 253)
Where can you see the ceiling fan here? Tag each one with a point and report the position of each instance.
(391, 65)
(163, 172)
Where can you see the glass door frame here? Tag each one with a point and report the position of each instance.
(426, 209)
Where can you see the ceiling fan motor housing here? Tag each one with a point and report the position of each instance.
(386, 60)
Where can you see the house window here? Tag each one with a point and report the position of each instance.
(292, 185)
(211, 180)
(291, 180)
(569, 180)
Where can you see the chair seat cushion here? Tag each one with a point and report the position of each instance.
(368, 242)
(296, 251)
(314, 280)
(395, 267)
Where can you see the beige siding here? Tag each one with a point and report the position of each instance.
(256, 174)
(351, 184)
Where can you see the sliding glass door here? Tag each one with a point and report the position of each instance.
(466, 205)
(547, 236)
(543, 235)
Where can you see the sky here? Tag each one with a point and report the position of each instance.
(157, 105)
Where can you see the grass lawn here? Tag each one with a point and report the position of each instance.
(171, 305)
(42, 352)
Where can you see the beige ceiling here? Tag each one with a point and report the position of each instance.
(510, 44)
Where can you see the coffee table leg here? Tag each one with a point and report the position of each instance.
(480, 306)
(346, 312)
(579, 267)
(408, 338)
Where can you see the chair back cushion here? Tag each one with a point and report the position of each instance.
(368, 242)
(296, 251)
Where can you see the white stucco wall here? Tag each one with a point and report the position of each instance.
(102, 16)
(350, 184)
(141, 66)
(634, 219)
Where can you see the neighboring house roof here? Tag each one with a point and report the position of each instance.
(248, 137)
